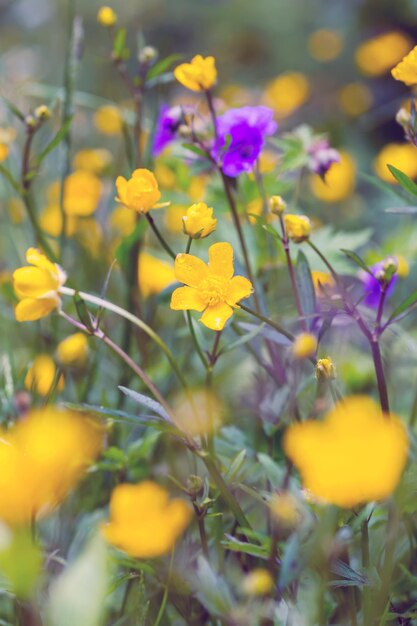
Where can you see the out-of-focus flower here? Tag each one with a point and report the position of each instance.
(198, 412)
(323, 282)
(322, 157)
(122, 221)
(51, 221)
(42, 375)
(173, 218)
(82, 192)
(325, 45)
(16, 210)
(106, 16)
(285, 510)
(403, 156)
(210, 288)
(165, 175)
(169, 121)
(154, 275)
(42, 112)
(198, 75)
(376, 56)
(241, 136)
(144, 522)
(355, 455)
(140, 192)
(199, 222)
(372, 284)
(90, 236)
(42, 457)
(277, 205)
(325, 369)
(4, 152)
(340, 180)
(403, 268)
(287, 93)
(304, 346)
(73, 350)
(406, 70)
(355, 99)
(7, 136)
(108, 120)
(37, 287)
(255, 209)
(298, 227)
(258, 582)
(93, 160)
(197, 188)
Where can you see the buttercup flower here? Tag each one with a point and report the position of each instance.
(325, 369)
(154, 275)
(277, 205)
(199, 222)
(304, 346)
(376, 56)
(41, 376)
(243, 131)
(210, 288)
(298, 227)
(355, 455)
(144, 522)
(108, 120)
(198, 75)
(106, 16)
(37, 287)
(82, 192)
(140, 192)
(406, 70)
(73, 350)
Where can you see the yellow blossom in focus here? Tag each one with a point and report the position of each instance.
(106, 16)
(298, 227)
(258, 582)
(325, 45)
(140, 192)
(304, 346)
(93, 160)
(355, 455)
(406, 70)
(123, 221)
(210, 288)
(287, 93)
(323, 282)
(73, 350)
(325, 369)
(42, 457)
(285, 510)
(42, 375)
(376, 56)
(82, 192)
(173, 218)
(144, 522)
(16, 210)
(108, 120)
(403, 156)
(355, 99)
(198, 222)
(37, 287)
(198, 75)
(339, 183)
(154, 275)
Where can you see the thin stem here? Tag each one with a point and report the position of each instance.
(160, 237)
(202, 530)
(212, 111)
(380, 376)
(266, 320)
(189, 242)
(195, 340)
(291, 273)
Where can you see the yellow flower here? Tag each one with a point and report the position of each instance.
(90, 235)
(298, 227)
(286, 93)
(376, 56)
(16, 210)
(325, 369)
(73, 350)
(340, 180)
(198, 412)
(304, 346)
(93, 160)
(82, 192)
(325, 45)
(403, 266)
(106, 16)
(165, 176)
(154, 275)
(197, 188)
(4, 152)
(258, 582)
(285, 510)
(406, 70)
(277, 205)
(323, 283)
(199, 222)
(355, 99)
(144, 522)
(50, 220)
(41, 376)
(108, 120)
(355, 455)
(210, 288)
(7, 135)
(37, 287)
(42, 457)
(123, 221)
(403, 156)
(198, 75)
(140, 192)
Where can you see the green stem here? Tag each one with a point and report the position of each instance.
(266, 320)
(195, 340)
(189, 242)
(159, 236)
(291, 273)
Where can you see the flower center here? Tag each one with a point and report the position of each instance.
(212, 290)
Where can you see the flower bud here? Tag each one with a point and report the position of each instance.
(199, 221)
(258, 582)
(390, 267)
(277, 205)
(304, 346)
(42, 112)
(325, 369)
(106, 17)
(195, 486)
(285, 510)
(298, 227)
(403, 117)
(148, 55)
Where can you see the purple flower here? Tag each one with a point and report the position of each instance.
(322, 156)
(169, 121)
(372, 286)
(240, 138)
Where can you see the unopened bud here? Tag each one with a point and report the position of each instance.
(325, 369)
(195, 486)
(277, 205)
(403, 117)
(148, 55)
(390, 267)
(42, 112)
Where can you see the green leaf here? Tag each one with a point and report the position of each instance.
(60, 135)
(143, 400)
(13, 109)
(192, 148)
(392, 190)
(211, 589)
(305, 287)
(10, 178)
(401, 308)
(404, 180)
(119, 45)
(356, 259)
(234, 545)
(83, 312)
(163, 65)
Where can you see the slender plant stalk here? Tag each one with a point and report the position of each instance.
(291, 273)
(273, 325)
(160, 238)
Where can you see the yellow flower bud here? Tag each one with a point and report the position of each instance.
(277, 205)
(108, 120)
(285, 510)
(73, 350)
(298, 227)
(198, 75)
(140, 192)
(304, 346)
(106, 16)
(41, 376)
(199, 222)
(325, 369)
(4, 151)
(258, 582)
(42, 112)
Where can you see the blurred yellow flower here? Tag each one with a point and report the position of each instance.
(286, 93)
(140, 192)
(73, 350)
(285, 509)
(277, 205)
(173, 218)
(198, 222)
(355, 99)
(4, 152)
(7, 135)
(197, 188)
(90, 235)
(37, 287)
(339, 183)
(16, 210)
(258, 582)
(144, 522)
(198, 75)
(403, 266)
(50, 220)
(406, 70)
(376, 56)
(165, 176)
(325, 45)
(42, 457)
(122, 221)
(325, 369)
(108, 120)
(210, 288)
(323, 282)
(255, 207)
(298, 227)
(154, 275)
(304, 346)
(198, 412)
(355, 455)
(42, 375)
(93, 160)
(106, 16)
(403, 156)
(82, 192)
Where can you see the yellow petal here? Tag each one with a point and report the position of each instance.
(221, 260)
(239, 287)
(185, 299)
(33, 282)
(37, 258)
(190, 270)
(121, 186)
(215, 317)
(30, 309)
